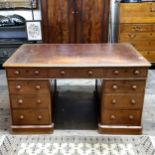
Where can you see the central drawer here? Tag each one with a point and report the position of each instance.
(31, 117)
(124, 86)
(121, 117)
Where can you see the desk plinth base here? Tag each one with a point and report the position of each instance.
(33, 128)
(111, 129)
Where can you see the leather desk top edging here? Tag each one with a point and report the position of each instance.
(76, 55)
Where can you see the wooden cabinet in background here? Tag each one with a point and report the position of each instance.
(75, 21)
(137, 26)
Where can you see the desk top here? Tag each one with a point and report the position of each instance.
(76, 55)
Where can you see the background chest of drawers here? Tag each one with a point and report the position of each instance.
(122, 101)
(137, 26)
(30, 100)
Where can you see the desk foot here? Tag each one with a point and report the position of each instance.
(32, 128)
(109, 129)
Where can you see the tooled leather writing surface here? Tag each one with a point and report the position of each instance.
(76, 55)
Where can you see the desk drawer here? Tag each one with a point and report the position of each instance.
(31, 117)
(122, 101)
(29, 87)
(31, 101)
(123, 86)
(121, 117)
(27, 72)
(126, 72)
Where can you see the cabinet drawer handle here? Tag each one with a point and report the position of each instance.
(38, 101)
(17, 72)
(116, 72)
(112, 117)
(115, 87)
(90, 72)
(152, 10)
(38, 87)
(136, 72)
(134, 87)
(18, 87)
(133, 101)
(113, 101)
(62, 72)
(36, 72)
(131, 117)
(20, 101)
(21, 117)
(132, 35)
(40, 117)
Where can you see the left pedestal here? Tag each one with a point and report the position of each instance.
(30, 101)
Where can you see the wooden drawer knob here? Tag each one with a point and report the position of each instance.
(131, 117)
(20, 101)
(40, 117)
(133, 101)
(136, 72)
(38, 101)
(38, 87)
(115, 87)
(132, 35)
(112, 117)
(116, 72)
(18, 87)
(134, 87)
(17, 72)
(62, 72)
(36, 72)
(90, 72)
(113, 101)
(21, 117)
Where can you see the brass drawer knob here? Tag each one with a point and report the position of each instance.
(38, 101)
(134, 87)
(131, 117)
(20, 101)
(18, 87)
(36, 72)
(112, 117)
(40, 117)
(62, 72)
(113, 101)
(116, 72)
(132, 35)
(115, 87)
(21, 117)
(17, 72)
(90, 72)
(133, 101)
(38, 87)
(136, 72)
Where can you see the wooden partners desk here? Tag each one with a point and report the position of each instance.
(122, 69)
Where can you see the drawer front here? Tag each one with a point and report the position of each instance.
(143, 45)
(126, 72)
(31, 117)
(77, 72)
(27, 72)
(28, 87)
(30, 101)
(149, 55)
(137, 12)
(123, 86)
(121, 117)
(123, 28)
(122, 101)
(137, 36)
